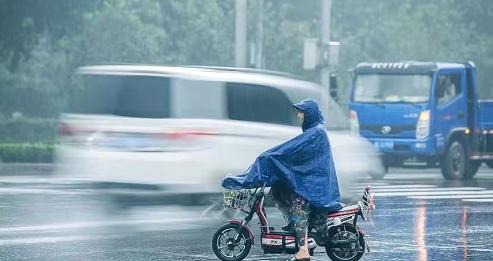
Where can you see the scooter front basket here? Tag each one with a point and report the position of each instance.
(237, 199)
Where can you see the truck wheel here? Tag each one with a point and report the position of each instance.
(472, 169)
(453, 163)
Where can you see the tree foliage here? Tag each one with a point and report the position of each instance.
(42, 42)
(22, 22)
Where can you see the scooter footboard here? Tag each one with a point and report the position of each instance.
(247, 229)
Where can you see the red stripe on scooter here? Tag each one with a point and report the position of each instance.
(270, 236)
(343, 213)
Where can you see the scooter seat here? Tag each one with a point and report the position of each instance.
(347, 210)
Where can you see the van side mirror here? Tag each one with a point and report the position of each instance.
(333, 88)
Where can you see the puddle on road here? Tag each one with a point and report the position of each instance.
(432, 230)
(402, 229)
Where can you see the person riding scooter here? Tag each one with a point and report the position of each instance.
(301, 174)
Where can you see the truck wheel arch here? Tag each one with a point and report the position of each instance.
(458, 135)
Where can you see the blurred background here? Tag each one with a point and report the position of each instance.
(42, 43)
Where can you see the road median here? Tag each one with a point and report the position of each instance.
(16, 169)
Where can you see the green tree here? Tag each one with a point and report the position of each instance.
(120, 31)
(23, 22)
(42, 42)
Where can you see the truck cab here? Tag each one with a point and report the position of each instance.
(423, 114)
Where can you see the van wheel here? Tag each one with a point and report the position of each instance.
(378, 175)
(381, 174)
(453, 163)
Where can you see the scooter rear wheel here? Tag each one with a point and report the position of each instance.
(224, 246)
(349, 251)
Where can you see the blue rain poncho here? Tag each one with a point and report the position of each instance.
(304, 163)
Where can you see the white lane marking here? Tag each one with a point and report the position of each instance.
(23, 179)
(479, 200)
(430, 193)
(9, 191)
(401, 186)
(41, 240)
(94, 224)
(429, 175)
(407, 178)
(413, 174)
(39, 180)
(363, 185)
(452, 196)
(428, 189)
(374, 183)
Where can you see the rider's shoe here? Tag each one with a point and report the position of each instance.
(294, 258)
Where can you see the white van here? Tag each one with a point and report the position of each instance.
(186, 128)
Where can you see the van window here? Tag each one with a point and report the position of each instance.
(129, 96)
(195, 99)
(249, 102)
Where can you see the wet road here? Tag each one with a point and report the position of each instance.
(419, 216)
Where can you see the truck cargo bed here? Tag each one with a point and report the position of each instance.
(486, 114)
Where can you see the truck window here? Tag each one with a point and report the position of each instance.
(449, 87)
(249, 102)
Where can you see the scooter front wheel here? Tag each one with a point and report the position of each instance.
(226, 247)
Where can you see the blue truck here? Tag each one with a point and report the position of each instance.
(423, 114)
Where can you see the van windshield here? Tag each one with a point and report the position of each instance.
(377, 88)
(128, 95)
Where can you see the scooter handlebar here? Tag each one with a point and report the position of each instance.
(263, 187)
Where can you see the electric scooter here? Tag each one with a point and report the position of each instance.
(345, 240)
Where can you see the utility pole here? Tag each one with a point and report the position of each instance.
(259, 63)
(325, 9)
(240, 33)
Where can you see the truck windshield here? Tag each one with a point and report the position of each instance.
(378, 88)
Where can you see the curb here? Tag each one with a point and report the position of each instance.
(26, 168)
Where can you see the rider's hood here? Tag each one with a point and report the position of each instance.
(312, 113)
(304, 162)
